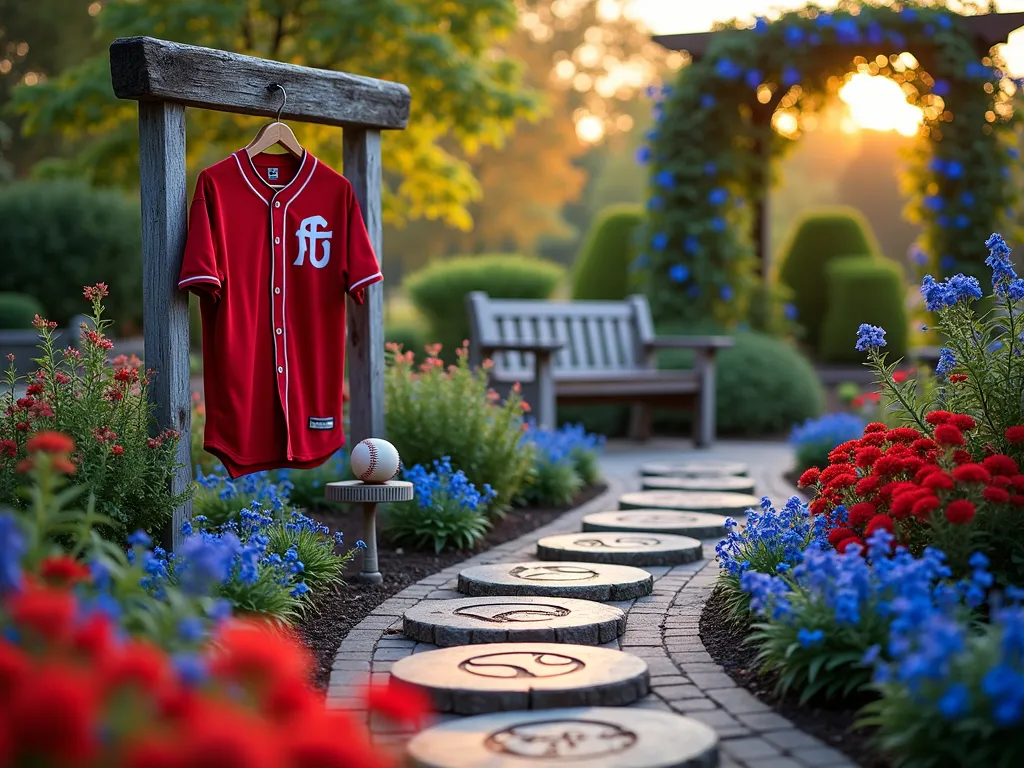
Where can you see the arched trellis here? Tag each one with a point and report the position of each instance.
(705, 242)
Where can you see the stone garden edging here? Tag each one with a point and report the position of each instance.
(662, 629)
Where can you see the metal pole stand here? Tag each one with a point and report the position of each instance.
(369, 495)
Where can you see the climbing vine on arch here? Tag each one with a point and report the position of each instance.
(707, 170)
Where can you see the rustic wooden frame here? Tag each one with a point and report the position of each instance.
(165, 78)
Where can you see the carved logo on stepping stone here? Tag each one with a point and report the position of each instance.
(521, 664)
(553, 573)
(621, 542)
(570, 739)
(512, 613)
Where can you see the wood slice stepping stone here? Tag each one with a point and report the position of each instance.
(502, 677)
(585, 581)
(729, 483)
(472, 620)
(595, 737)
(691, 501)
(699, 525)
(694, 469)
(621, 548)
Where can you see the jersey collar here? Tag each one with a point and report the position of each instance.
(267, 192)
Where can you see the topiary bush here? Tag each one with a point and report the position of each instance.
(863, 290)
(69, 235)
(17, 311)
(820, 237)
(601, 270)
(764, 386)
(439, 290)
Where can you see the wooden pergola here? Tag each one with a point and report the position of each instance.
(985, 31)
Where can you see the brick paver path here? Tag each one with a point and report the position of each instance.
(661, 628)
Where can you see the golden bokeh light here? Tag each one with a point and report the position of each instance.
(878, 103)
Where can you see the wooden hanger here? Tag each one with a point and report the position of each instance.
(275, 133)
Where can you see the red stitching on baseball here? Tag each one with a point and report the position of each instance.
(373, 461)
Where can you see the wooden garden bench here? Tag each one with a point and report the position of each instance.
(575, 352)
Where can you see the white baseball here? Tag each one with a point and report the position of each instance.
(375, 460)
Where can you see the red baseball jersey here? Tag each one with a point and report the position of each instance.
(274, 244)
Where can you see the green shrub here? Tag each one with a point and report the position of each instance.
(601, 270)
(764, 386)
(411, 335)
(437, 411)
(68, 235)
(439, 290)
(820, 237)
(17, 311)
(772, 310)
(322, 567)
(863, 290)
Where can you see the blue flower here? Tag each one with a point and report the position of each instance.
(655, 203)
(12, 549)
(947, 362)
(718, 196)
(300, 589)
(707, 101)
(809, 638)
(191, 629)
(643, 155)
(710, 168)
(794, 36)
(934, 202)
(944, 21)
(727, 69)
(206, 560)
(641, 262)
(726, 293)
(791, 311)
(678, 273)
(718, 224)
(754, 78)
(761, 25)
(847, 32)
(875, 33)
(1003, 273)
(954, 170)
(191, 668)
(691, 245)
(659, 241)
(361, 544)
(830, 429)
(870, 337)
(955, 702)
(941, 88)
(665, 179)
(790, 76)
(917, 255)
(823, 20)
(139, 539)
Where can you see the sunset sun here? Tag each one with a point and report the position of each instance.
(878, 103)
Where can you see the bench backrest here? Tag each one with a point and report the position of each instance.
(601, 337)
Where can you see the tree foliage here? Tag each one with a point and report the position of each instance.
(716, 123)
(464, 96)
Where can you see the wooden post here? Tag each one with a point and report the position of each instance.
(362, 167)
(165, 308)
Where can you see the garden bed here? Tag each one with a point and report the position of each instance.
(726, 642)
(337, 612)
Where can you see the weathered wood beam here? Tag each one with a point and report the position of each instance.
(148, 69)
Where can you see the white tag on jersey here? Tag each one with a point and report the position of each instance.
(326, 422)
(273, 173)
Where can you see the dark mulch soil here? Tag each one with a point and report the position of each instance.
(792, 477)
(337, 612)
(725, 642)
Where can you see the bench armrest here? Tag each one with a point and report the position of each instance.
(691, 342)
(537, 347)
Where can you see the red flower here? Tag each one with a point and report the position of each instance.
(32, 390)
(94, 292)
(873, 438)
(117, 450)
(962, 421)
(137, 663)
(925, 505)
(1017, 500)
(47, 612)
(817, 506)
(50, 442)
(152, 752)
(865, 457)
(902, 435)
(948, 434)
(54, 718)
(8, 448)
(996, 495)
(1000, 481)
(402, 703)
(875, 426)
(877, 523)
(14, 669)
(971, 473)
(40, 323)
(867, 485)
(94, 636)
(939, 481)
(957, 378)
(858, 401)
(845, 544)
(861, 513)
(22, 426)
(228, 738)
(808, 478)
(1015, 434)
(899, 377)
(937, 417)
(830, 473)
(923, 445)
(63, 570)
(960, 512)
(1000, 464)
(844, 480)
(962, 457)
(250, 652)
(842, 452)
(837, 535)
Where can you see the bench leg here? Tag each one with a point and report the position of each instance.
(704, 418)
(546, 403)
(641, 421)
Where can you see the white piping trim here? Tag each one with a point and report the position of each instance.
(374, 276)
(246, 178)
(199, 277)
(284, 287)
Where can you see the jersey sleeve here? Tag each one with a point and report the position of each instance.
(362, 268)
(199, 271)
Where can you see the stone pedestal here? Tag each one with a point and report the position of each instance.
(369, 495)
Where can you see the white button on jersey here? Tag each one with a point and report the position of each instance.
(277, 240)
(277, 203)
(278, 331)
(280, 369)
(277, 290)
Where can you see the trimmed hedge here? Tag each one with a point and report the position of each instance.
(439, 290)
(17, 310)
(818, 238)
(601, 270)
(863, 290)
(59, 236)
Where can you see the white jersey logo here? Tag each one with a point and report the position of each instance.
(309, 234)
